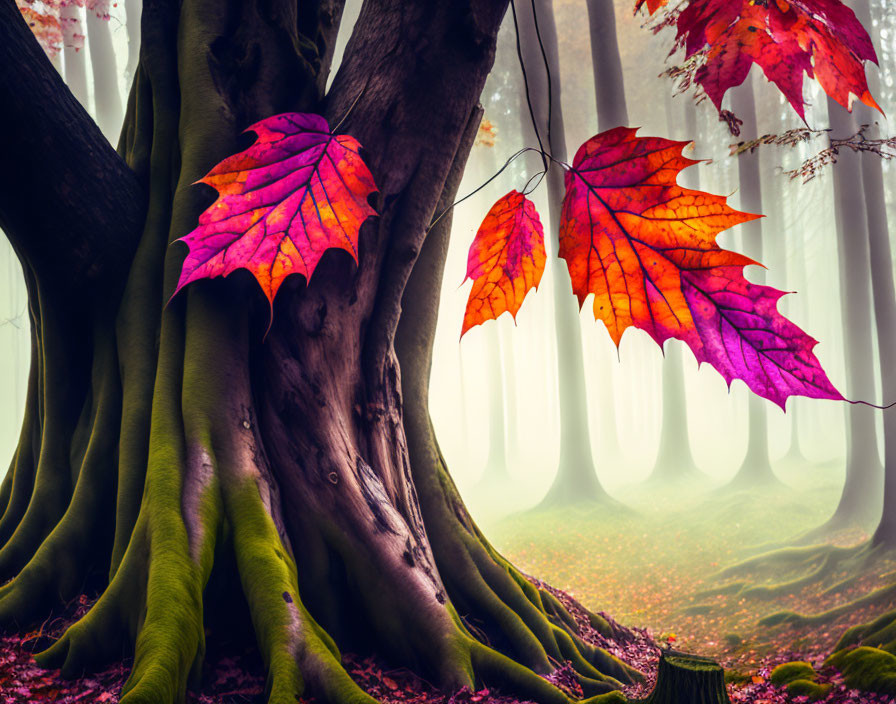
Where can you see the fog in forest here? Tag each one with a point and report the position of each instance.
(494, 394)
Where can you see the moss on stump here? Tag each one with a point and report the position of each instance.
(688, 679)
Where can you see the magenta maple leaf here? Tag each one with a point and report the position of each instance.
(298, 191)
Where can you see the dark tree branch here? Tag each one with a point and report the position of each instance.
(69, 203)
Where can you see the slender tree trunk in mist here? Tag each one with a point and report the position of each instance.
(75, 62)
(464, 418)
(606, 62)
(860, 501)
(107, 98)
(778, 262)
(794, 455)
(882, 287)
(798, 302)
(133, 9)
(495, 473)
(576, 479)
(612, 111)
(885, 318)
(756, 468)
(511, 409)
(674, 459)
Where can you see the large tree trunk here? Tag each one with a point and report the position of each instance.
(756, 469)
(860, 501)
(576, 480)
(297, 471)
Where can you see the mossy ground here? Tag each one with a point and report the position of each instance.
(649, 567)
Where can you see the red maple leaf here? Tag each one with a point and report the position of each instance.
(298, 191)
(652, 5)
(788, 39)
(645, 247)
(506, 260)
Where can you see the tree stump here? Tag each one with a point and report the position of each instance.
(688, 679)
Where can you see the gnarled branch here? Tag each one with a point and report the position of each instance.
(69, 203)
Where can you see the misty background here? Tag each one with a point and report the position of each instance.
(494, 394)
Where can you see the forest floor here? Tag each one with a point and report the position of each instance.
(645, 564)
(652, 567)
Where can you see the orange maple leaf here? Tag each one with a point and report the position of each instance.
(506, 260)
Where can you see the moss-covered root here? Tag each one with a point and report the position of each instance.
(809, 565)
(787, 672)
(879, 633)
(61, 562)
(492, 669)
(688, 678)
(800, 559)
(155, 597)
(873, 598)
(295, 649)
(799, 679)
(538, 629)
(100, 635)
(867, 669)
(806, 688)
